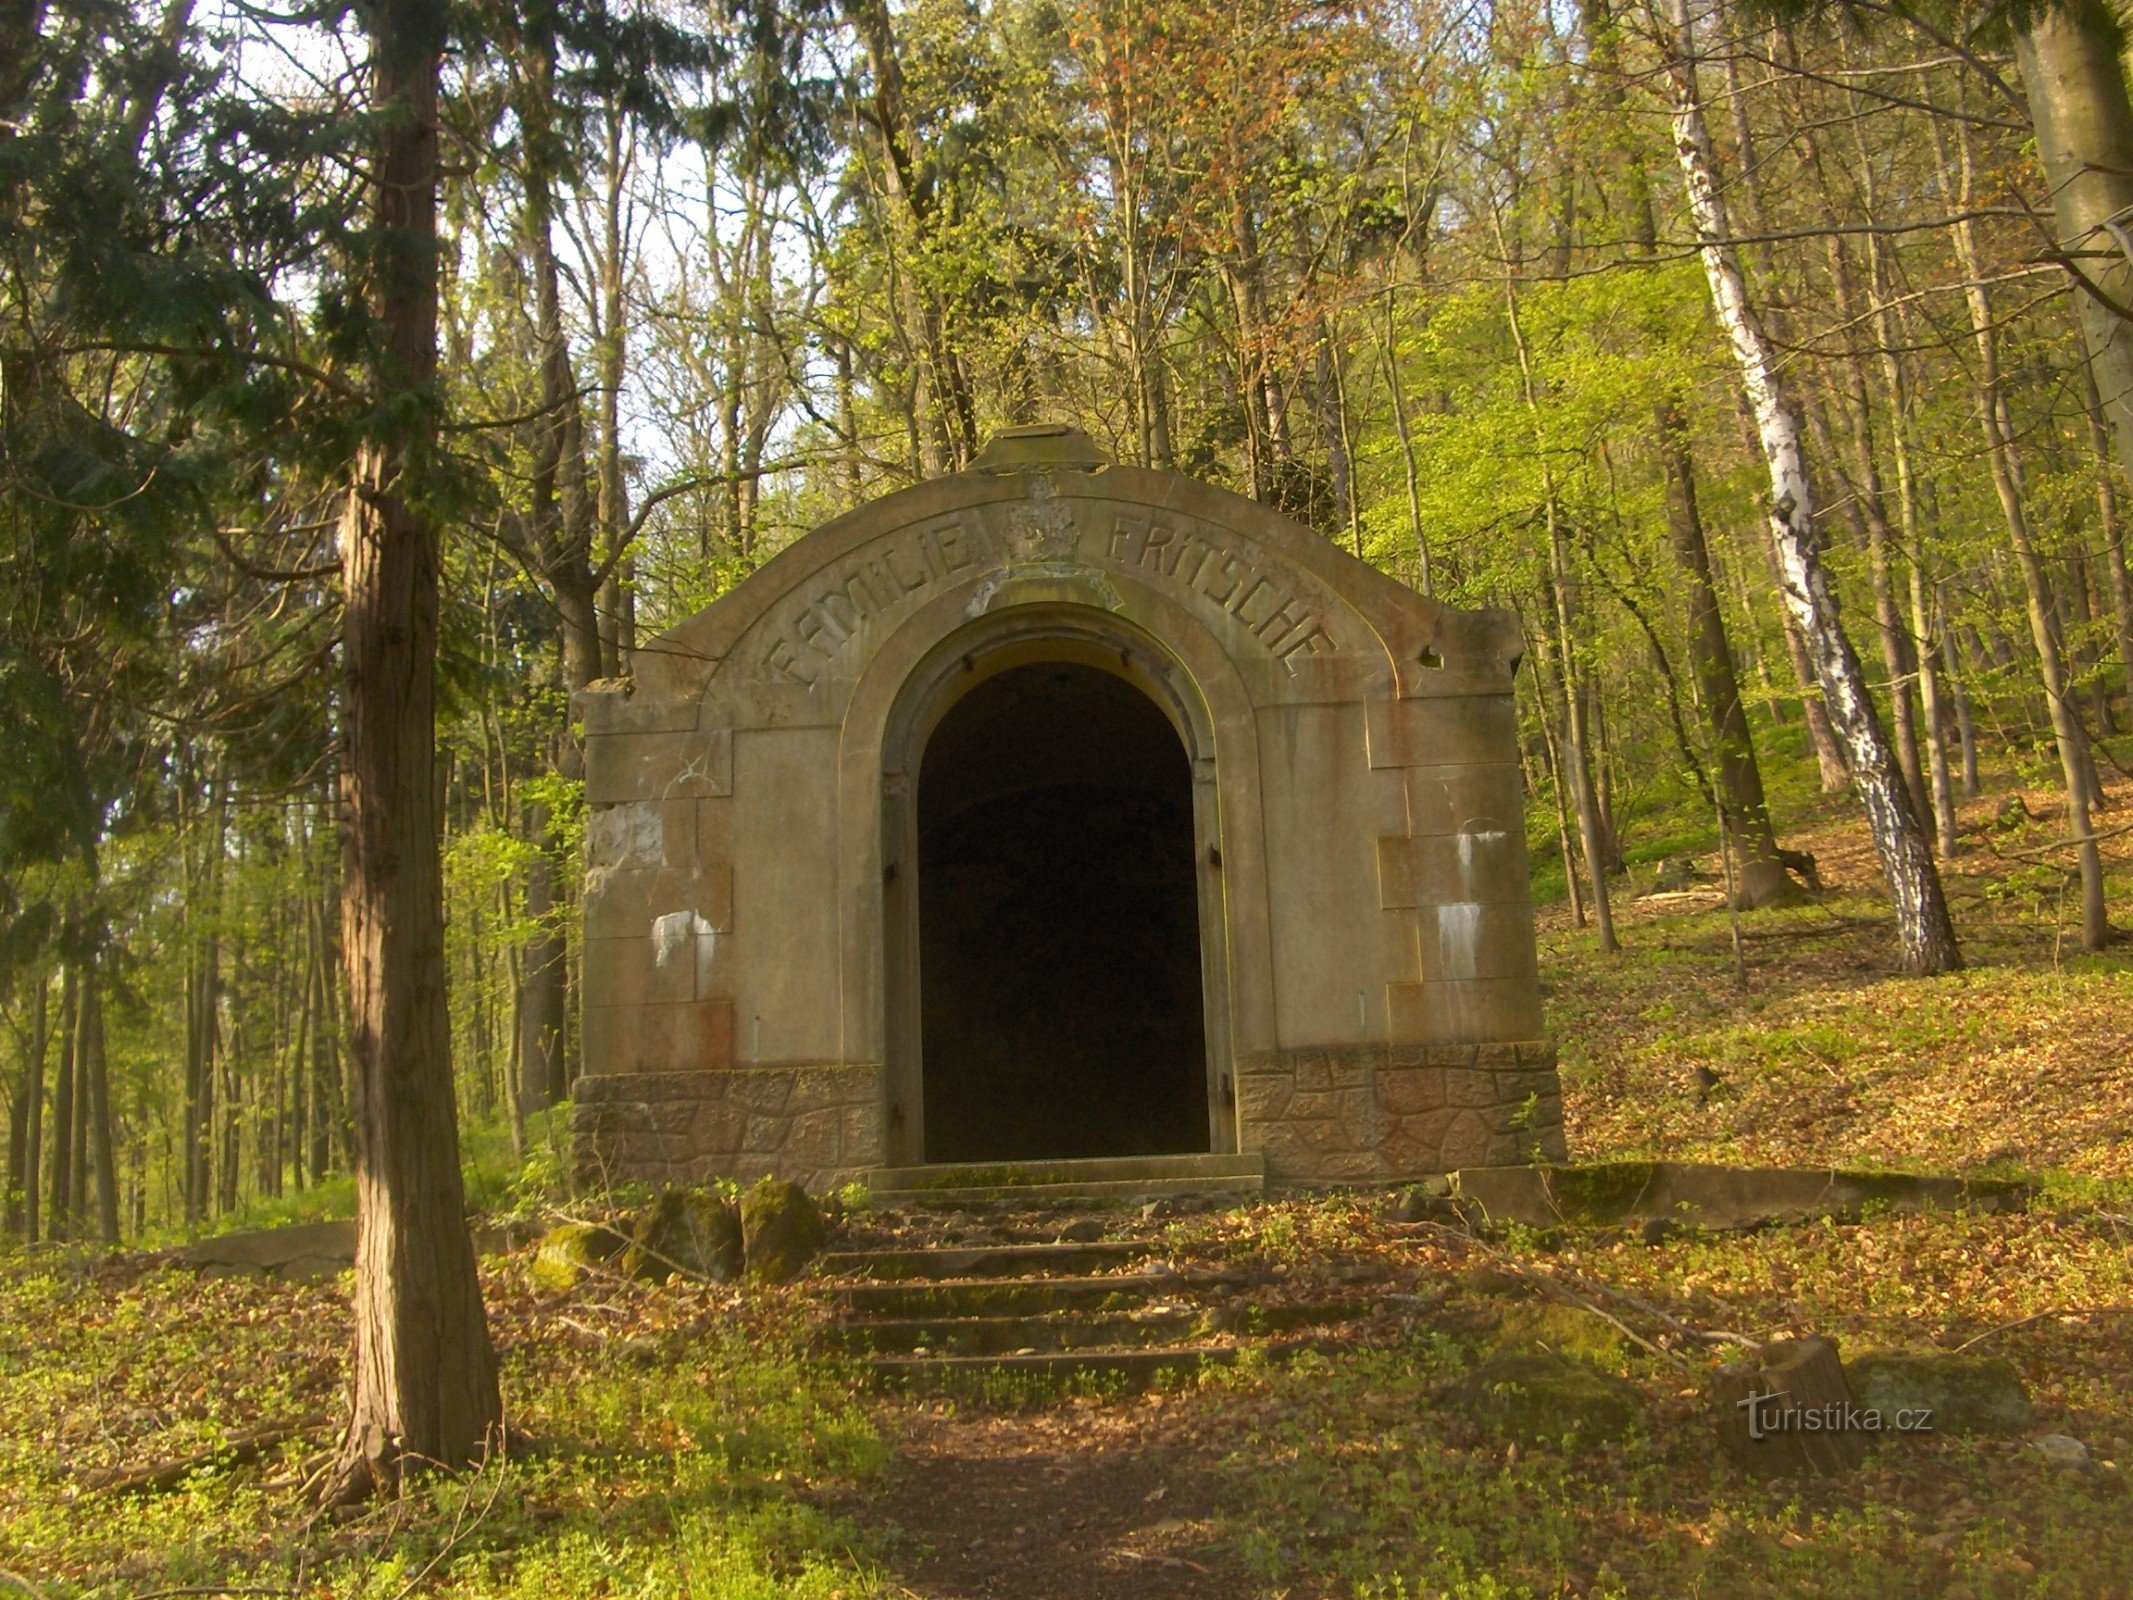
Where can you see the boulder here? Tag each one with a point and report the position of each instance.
(781, 1229)
(694, 1232)
(568, 1250)
(1965, 1394)
(2061, 1449)
(305, 1252)
(1539, 1397)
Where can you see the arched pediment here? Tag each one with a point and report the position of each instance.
(1305, 617)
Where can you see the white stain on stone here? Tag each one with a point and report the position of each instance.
(672, 934)
(626, 835)
(706, 955)
(1458, 937)
(982, 600)
(1487, 836)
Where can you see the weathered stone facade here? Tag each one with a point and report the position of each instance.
(751, 992)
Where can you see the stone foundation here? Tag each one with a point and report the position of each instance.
(1385, 1112)
(818, 1125)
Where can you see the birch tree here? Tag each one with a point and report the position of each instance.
(1926, 933)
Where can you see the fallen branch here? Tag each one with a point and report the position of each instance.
(1548, 1284)
(236, 1451)
(2042, 1316)
(2093, 836)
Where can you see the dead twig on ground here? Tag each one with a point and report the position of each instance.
(235, 1451)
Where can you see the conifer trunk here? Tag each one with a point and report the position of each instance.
(424, 1384)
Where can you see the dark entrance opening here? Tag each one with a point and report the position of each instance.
(1059, 924)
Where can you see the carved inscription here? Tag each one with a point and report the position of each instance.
(1281, 619)
(877, 580)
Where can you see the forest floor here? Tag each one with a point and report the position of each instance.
(693, 1441)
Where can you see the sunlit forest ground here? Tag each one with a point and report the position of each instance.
(1812, 1047)
(695, 1440)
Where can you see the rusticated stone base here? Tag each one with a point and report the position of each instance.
(1369, 1113)
(817, 1125)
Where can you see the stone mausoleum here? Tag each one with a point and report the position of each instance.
(1055, 810)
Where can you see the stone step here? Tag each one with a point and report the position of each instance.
(1101, 1178)
(1043, 1370)
(1014, 1296)
(1011, 1335)
(1038, 1194)
(983, 1261)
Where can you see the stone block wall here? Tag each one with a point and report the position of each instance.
(1379, 1112)
(818, 1125)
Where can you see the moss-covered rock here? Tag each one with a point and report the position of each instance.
(691, 1231)
(1564, 1330)
(1966, 1394)
(568, 1250)
(1539, 1397)
(782, 1230)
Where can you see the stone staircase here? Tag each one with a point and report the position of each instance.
(1098, 1178)
(1013, 1315)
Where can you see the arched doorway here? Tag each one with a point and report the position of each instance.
(1060, 978)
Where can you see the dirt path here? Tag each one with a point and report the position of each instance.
(1078, 1502)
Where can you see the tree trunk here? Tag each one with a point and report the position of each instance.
(2068, 54)
(2085, 664)
(2067, 732)
(611, 356)
(1740, 779)
(1965, 723)
(1577, 744)
(1927, 935)
(1550, 746)
(2114, 532)
(59, 1214)
(1388, 354)
(229, 1167)
(26, 1126)
(541, 1005)
(1870, 531)
(1831, 765)
(1907, 507)
(564, 520)
(96, 1064)
(1869, 510)
(1577, 758)
(328, 1107)
(424, 1386)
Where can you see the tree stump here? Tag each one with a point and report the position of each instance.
(1790, 1413)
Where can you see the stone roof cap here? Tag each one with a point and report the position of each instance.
(1040, 447)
